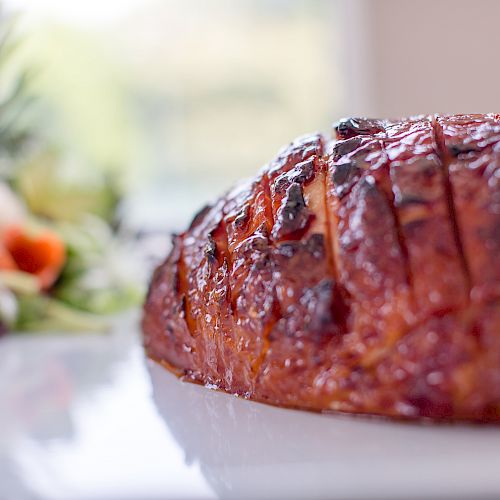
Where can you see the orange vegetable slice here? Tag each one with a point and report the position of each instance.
(42, 254)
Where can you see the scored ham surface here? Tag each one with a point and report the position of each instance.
(356, 274)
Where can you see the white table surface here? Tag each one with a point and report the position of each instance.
(88, 417)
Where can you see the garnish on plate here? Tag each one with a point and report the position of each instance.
(65, 262)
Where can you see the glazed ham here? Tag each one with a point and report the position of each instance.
(356, 274)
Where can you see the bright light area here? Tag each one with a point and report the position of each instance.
(120, 448)
(89, 13)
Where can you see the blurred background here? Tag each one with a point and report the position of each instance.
(178, 99)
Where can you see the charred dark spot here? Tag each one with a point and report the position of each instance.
(319, 302)
(199, 216)
(326, 310)
(302, 173)
(369, 187)
(263, 262)
(288, 249)
(263, 231)
(344, 176)
(176, 280)
(345, 147)
(315, 245)
(314, 149)
(243, 217)
(352, 127)
(258, 243)
(293, 216)
(428, 407)
(211, 249)
(457, 149)
(409, 199)
(296, 152)
(415, 225)
(183, 309)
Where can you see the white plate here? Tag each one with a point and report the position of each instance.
(88, 417)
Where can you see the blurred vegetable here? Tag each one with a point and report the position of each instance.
(14, 98)
(20, 282)
(65, 191)
(41, 313)
(8, 309)
(100, 275)
(38, 252)
(62, 264)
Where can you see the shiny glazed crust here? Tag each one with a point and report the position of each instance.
(358, 274)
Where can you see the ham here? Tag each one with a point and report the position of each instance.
(357, 273)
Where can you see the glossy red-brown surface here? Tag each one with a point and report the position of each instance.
(357, 274)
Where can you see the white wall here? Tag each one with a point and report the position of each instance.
(404, 57)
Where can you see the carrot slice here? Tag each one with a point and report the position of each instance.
(42, 254)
